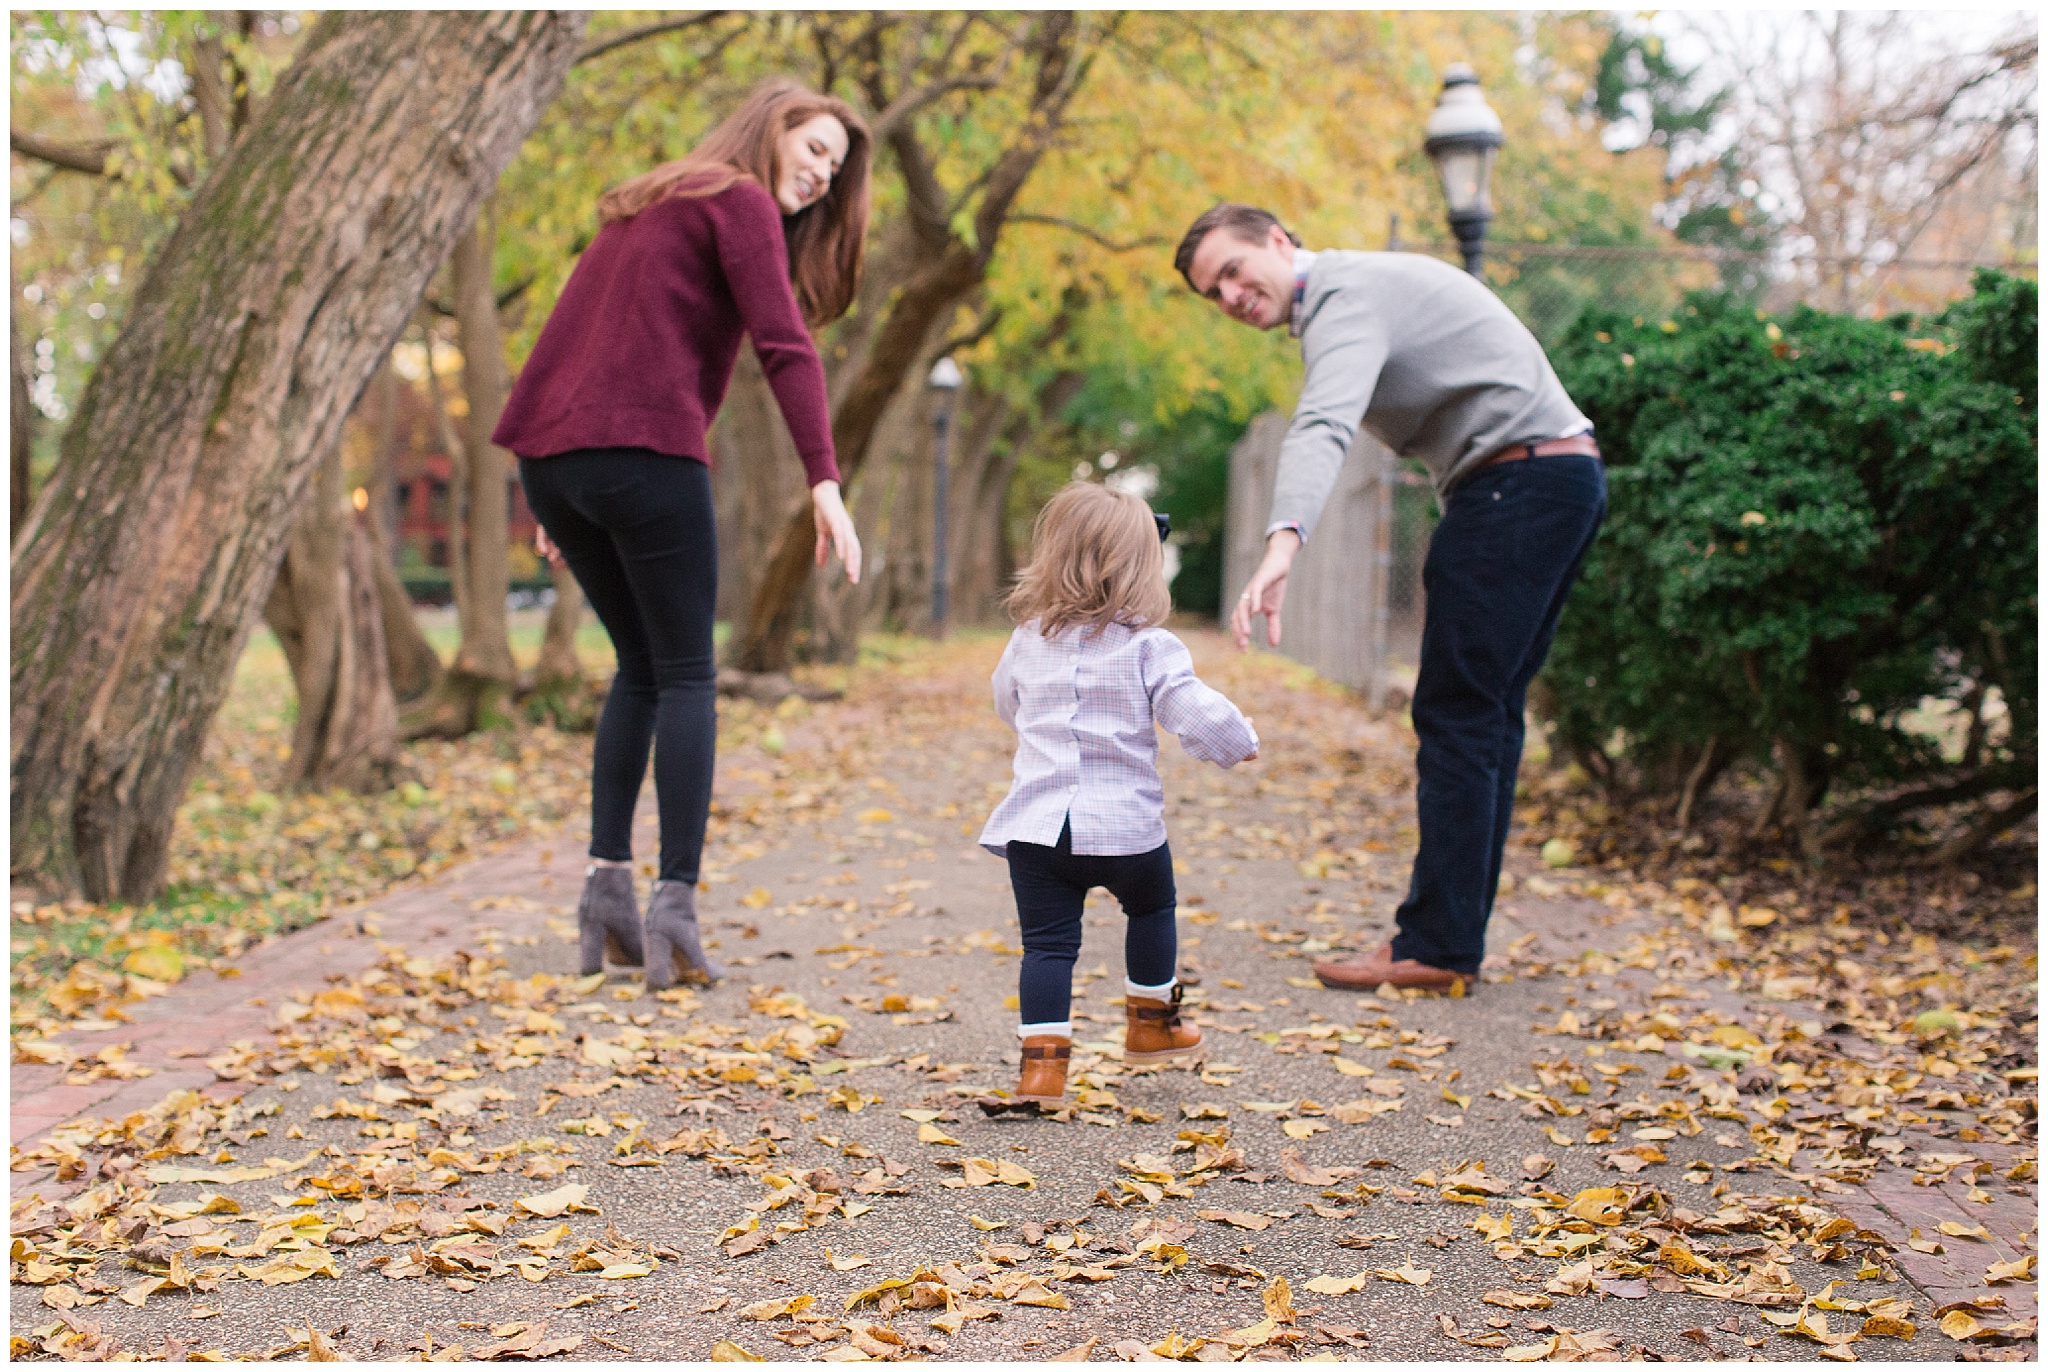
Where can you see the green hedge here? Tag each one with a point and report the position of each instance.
(1815, 522)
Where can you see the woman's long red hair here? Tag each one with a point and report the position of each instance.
(826, 239)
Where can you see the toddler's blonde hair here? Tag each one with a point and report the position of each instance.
(1095, 560)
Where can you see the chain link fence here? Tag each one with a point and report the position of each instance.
(1549, 284)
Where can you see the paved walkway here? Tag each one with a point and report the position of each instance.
(172, 1034)
(844, 875)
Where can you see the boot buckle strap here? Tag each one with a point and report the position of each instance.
(1038, 1052)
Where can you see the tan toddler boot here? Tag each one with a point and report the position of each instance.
(1044, 1075)
(1153, 1031)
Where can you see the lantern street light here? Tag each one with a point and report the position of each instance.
(944, 380)
(1463, 139)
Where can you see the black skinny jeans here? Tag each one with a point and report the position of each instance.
(636, 528)
(1051, 884)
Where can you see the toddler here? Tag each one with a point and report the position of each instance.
(1085, 678)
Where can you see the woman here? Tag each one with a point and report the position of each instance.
(758, 231)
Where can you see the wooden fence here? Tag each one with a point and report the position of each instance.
(1354, 597)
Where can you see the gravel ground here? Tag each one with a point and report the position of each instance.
(933, 780)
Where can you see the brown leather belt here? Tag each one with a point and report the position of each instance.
(1581, 444)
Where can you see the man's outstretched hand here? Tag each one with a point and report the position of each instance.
(1266, 590)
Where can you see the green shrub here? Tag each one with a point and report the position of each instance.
(1815, 523)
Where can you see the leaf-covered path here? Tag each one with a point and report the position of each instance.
(418, 1133)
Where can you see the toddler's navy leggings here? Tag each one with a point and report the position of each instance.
(1051, 884)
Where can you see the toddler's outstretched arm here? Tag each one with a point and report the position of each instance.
(1207, 724)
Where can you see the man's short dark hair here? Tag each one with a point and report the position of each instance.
(1248, 222)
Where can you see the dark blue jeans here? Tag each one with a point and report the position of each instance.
(1500, 565)
(1052, 883)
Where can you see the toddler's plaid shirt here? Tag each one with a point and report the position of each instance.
(1084, 704)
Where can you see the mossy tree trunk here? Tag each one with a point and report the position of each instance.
(323, 608)
(415, 666)
(476, 690)
(559, 690)
(143, 565)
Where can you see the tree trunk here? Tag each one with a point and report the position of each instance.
(486, 647)
(954, 262)
(415, 666)
(254, 330)
(1796, 800)
(323, 609)
(1700, 780)
(559, 690)
(458, 471)
(21, 426)
(476, 691)
(210, 93)
(986, 558)
(381, 415)
(773, 614)
(759, 485)
(981, 547)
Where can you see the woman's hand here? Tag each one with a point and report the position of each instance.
(545, 546)
(835, 528)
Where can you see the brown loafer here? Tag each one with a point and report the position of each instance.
(1380, 968)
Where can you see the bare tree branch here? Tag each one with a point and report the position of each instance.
(1095, 236)
(983, 327)
(90, 158)
(598, 47)
(924, 198)
(908, 104)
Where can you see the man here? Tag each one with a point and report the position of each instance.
(1431, 362)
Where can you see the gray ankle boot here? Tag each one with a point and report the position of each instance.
(608, 918)
(673, 948)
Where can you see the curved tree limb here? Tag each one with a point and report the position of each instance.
(599, 46)
(1988, 827)
(1095, 236)
(983, 327)
(90, 158)
(954, 266)
(1695, 782)
(1864, 818)
(906, 106)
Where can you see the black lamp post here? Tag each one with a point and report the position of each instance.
(944, 380)
(1463, 140)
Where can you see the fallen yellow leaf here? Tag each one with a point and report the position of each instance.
(1517, 1300)
(549, 1204)
(725, 1350)
(1406, 1272)
(1960, 1325)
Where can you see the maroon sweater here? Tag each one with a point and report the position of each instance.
(641, 345)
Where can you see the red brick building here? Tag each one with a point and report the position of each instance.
(420, 485)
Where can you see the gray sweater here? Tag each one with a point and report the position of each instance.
(1427, 358)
